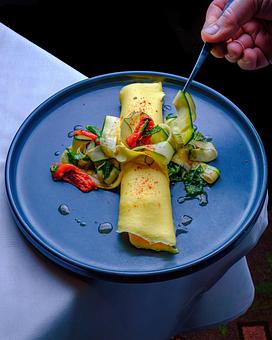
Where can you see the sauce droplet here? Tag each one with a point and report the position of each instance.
(78, 127)
(64, 209)
(182, 199)
(203, 199)
(70, 134)
(181, 230)
(166, 107)
(105, 228)
(57, 153)
(186, 220)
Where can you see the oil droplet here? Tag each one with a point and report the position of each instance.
(182, 199)
(203, 199)
(83, 224)
(78, 127)
(186, 220)
(166, 107)
(181, 230)
(105, 228)
(70, 134)
(64, 209)
(57, 153)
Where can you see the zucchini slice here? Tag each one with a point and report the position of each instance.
(82, 138)
(110, 135)
(202, 151)
(182, 126)
(96, 154)
(210, 173)
(191, 105)
(181, 157)
(113, 176)
(159, 136)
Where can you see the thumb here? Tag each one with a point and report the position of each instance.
(223, 25)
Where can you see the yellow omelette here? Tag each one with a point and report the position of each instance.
(145, 203)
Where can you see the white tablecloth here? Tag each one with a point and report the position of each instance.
(28, 76)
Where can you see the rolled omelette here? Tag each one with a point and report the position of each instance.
(145, 203)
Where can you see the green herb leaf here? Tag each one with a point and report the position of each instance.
(94, 130)
(145, 125)
(171, 115)
(152, 131)
(74, 157)
(176, 172)
(106, 168)
(193, 183)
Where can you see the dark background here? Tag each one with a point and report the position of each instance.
(96, 38)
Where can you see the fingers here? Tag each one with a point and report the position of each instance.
(253, 59)
(220, 26)
(214, 11)
(235, 49)
(219, 50)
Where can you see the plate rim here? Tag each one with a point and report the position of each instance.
(133, 276)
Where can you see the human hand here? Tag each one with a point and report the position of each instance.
(242, 34)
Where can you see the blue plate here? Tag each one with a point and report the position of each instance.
(234, 201)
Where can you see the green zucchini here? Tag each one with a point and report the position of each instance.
(159, 136)
(182, 126)
(210, 173)
(202, 151)
(112, 177)
(126, 130)
(191, 105)
(79, 144)
(181, 157)
(82, 138)
(96, 154)
(109, 135)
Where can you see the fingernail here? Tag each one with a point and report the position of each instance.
(212, 29)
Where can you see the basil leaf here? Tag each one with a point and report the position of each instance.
(176, 172)
(193, 182)
(145, 125)
(74, 157)
(152, 131)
